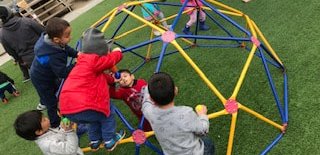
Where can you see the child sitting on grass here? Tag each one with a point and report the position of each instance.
(130, 92)
(33, 125)
(178, 129)
(7, 84)
(84, 97)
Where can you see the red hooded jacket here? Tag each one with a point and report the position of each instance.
(86, 87)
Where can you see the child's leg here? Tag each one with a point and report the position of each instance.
(12, 90)
(202, 18)
(164, 23)
(192, 18)
(209, 148)
(2, 96)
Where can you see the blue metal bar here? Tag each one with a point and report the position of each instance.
(285, 97)
(276, 140)
(134, 53)
(141, 44)
(122, 22)
(163, 51)
(168, 3)
(274, 63)
(271, 83)
(212, 37)
(140, 126)
(147, 143)
(169, 53)
(272, 57)
(137, 68)
(105, 20)
(219, 24)
(122, 118)
(137, 149)
(220, 46)
(178, 16)
(226, 18)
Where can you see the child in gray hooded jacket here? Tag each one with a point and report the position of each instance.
(178, 129)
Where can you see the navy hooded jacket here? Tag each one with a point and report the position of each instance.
(50, 62)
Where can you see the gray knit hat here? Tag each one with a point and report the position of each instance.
(93, 41)
(5, 13)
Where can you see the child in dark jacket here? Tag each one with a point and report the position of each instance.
(84, 97)
(18, 37)
(129, 91)
(49, 64)
(6, 84)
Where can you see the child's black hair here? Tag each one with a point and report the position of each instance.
(161, 88)
(28, 123)
(124, 71)
(56, 26)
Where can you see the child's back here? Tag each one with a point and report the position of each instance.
(177, 128)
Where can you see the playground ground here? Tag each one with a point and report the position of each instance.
(292, 28)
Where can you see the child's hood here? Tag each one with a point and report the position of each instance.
(45, 46)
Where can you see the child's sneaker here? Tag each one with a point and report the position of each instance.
(5, 100)
(41, 107)
(94, 145)
(16, 94)
(110, 145)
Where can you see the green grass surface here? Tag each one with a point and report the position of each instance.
(292, 30)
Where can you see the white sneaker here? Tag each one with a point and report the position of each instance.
(156, 33)
(41, 107)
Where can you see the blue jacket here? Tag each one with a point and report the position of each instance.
(50, 61)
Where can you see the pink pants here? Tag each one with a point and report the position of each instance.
(193, 17)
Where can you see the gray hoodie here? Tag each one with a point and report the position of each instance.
(19, 36)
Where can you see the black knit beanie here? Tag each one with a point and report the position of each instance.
(5, 13)
(93, 41)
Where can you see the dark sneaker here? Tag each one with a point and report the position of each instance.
(5, 100)
(94, 145)
(16, 94)
(111, 145)
(41, 107)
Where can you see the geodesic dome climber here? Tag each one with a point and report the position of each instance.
(134, 35)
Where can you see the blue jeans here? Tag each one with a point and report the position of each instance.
(209, 148)
(47, 94)
(101, 127)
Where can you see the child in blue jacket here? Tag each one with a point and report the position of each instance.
(49, 64)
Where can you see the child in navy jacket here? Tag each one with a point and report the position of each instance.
(49, 65)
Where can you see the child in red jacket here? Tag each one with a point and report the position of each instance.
(130, 92)
(85, 96)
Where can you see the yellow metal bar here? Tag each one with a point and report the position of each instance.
(243, 73)
(199, 72)
(150, 45)
(139, 2)
(231, 13)
(143, 20)
(130, 31)
(266, 42)
(109, 21)
(246, 109)
(248, 20)
(225, 6)
(103, 18)
(231, 133)
(126, 140)
(217, 114)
